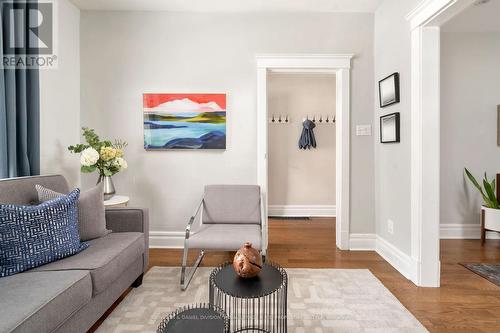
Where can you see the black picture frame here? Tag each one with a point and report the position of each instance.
(389, 128)
(388, 90)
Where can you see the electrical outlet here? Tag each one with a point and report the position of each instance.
(390, 226)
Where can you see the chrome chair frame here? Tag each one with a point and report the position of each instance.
(186, 276)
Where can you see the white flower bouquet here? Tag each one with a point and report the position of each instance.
(103, 156)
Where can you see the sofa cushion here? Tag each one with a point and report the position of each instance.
(31, 236)
(106, 258)
(41, 301)
(21, 190)
(91, 213)
(225, 237)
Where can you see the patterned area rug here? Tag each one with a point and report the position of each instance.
(319, 301)
(490, 272)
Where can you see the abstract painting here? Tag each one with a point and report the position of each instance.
(184, 121)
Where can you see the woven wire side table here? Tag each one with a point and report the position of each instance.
(195, 318)
(257, 304)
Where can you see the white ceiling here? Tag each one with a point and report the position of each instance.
(476, 18)
(232, 5)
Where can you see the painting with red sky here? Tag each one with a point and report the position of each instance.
(184, 121)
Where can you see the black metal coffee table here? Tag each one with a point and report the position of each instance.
(195, 319)
(257, 304)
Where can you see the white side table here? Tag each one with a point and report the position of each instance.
(116, 201)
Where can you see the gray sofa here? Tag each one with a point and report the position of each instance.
(71, 294)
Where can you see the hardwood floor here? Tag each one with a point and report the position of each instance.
(464, 303)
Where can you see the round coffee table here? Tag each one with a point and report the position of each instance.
(195, 318)
(257, 304)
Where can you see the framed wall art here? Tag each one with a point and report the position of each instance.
(184, 121)
(388, 89)
(389, 128)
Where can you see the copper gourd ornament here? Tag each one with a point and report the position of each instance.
(247, 261)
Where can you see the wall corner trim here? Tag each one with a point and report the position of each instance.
(362, 242)
(426, 11)
(397, 258)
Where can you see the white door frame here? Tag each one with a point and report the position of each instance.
(338, 64)
(425, 22)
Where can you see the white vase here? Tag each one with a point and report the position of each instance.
(491, 218)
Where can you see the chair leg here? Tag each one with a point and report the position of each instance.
(185, 280)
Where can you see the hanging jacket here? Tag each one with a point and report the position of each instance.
(307, 139)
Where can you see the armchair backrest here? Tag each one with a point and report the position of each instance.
(231, 204)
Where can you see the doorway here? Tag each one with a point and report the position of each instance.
(301, 179)
(425, 24)
(310, 64)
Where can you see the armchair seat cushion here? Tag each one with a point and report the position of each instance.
(225, 237)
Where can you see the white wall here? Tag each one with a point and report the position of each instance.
(297, 176)
(470, 93)
(125, 54)
(60, 99)
(392, 161)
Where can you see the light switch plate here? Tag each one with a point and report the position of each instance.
(363, 130)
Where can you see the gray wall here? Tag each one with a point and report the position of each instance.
(470, 93)
(129, 53)
(297, 176)
(392, 161)
(60, 99)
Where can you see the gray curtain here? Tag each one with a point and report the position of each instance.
(19, 112)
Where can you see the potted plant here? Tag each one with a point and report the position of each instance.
(103, 156)
(491, 208)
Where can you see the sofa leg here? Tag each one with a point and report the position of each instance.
(138, 282)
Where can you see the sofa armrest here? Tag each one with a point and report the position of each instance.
(129, 219)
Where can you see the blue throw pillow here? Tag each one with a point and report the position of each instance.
(32, 236)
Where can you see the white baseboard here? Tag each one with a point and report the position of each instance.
(357, 242)
(395, 257)
(402, 262)
(362, 242)
(166, 239)
(464, 231)
(302, 210)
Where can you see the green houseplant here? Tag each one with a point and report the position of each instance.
(103, 156)
(491, 208)
(487, 191)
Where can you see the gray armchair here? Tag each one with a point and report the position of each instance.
(229, 216)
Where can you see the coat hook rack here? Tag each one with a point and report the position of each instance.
(279, 119)
(320, 119)
(317, 119)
